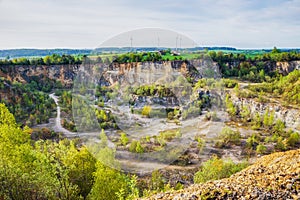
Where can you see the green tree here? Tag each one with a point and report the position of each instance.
(275, 50)
(81, 164)
(245, 113)
(256, 121)
(108, 183)
(31, 172)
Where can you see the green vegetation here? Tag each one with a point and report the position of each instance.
(286, 88)
(136, 147)
(217, 168)
(231, 109)
(151, 143)
(229, 83)
(272, 133)
(146, 111)
(51, 170)
(228, 137)
(124, 139)
(54, 59)
(29, 105)
(251, 67)
(153, 90)
(261, 149)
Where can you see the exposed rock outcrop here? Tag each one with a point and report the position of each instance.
(290, 116)
(286, 67)
(142, 72)
(63, 73)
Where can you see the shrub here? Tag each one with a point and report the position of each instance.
(245, 113)
(201, 143)
(170, 115)
(157, 181)
(132, 146)
(279, 127)
(256, 122)
(293, 139)
(268, 119)
(231, 109)
(261, 149)
(229, 136)
(146, 111)
(136, 147)
(124, 139)
(139, 148)
(252, 141)
(228, 83)
(281, 144)
(169, 135)
(216, 168)
(211, 116)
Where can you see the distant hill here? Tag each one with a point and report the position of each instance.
(15, 53)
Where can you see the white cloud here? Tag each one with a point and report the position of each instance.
(86, 24)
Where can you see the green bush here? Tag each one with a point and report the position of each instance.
(124, 139)
(278, 128)
(211, 116)
(171, 115)
(201, 143)
(139, 148)
(293, 139)
(228, 83)
(169, 135)
(281, 144)
(136, 147)
(133, 145)
(229, 136)
(231, 109)
(146, 111)
(261, 149)
(252, 141)
(256, 122)
(216, 168)
(245, 113)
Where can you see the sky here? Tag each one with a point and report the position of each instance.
(89, 23)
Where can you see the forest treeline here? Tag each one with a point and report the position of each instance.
(221, 57)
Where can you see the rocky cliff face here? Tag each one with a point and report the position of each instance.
(145, 72)
(290, 116)
(63, 73)
(287, 67)
(150, 72)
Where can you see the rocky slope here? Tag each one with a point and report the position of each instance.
(275, 176)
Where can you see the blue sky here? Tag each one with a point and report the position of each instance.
(88, 23)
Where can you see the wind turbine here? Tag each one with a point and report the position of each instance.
(131, 43)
